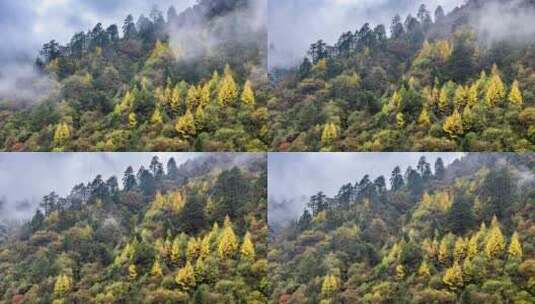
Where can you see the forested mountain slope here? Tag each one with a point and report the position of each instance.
(192, 234)
(182, 82)
(463, 234)
(457, 82)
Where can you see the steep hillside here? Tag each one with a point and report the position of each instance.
(463, 234)
(190, 234)
(457, 82)
(182, 82)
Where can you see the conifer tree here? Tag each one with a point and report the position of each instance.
(193, 249)
(424, 270)
(247, 248)
(329, 135)
(453, 276)
(495, 244)
(453, 125)
(132, 272)
(400, 120)
(247, 96)
(443, 251)
(176, 251)
(496, 89)
(228, 92)
(472, 97)
(185, 278)
(461, 97)
(132, 120)
(156, 270)
(400, 272)
(175, 101)
(459, 249)
(62, 134)
(329, 287)
(62, 286)
(185, 125)
(472, 247)
(228, 244)
(515, 96)
(156, 117)
(515, 248)
(424, 119)
(193, 97)
(444, 100)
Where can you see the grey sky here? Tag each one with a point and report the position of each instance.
(296, 176)
(29, 176)
(295, 24)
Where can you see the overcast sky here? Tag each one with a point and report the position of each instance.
(27, 24)
(296, 176)
(295, 24)
(29, 176)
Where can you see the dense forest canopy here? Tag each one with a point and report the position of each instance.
(194, 233)
(456, 234)
(461, 81)
(183, 81)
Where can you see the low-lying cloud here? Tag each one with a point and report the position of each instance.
(294, 177)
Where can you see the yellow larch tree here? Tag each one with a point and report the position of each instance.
(175, 101)
(472, 96)
(248, 96)
(329, 134)
(459, 249)
(228, 92)
(400, 120)
(62, 134)
(62, 286)
(204, 250)
(444, 100)
(424, 270)
(247, 250)
(453, 125)
(515, 248)
(132, 272)
(424, 119)
(193, 98)
(495, 244)
(400, 272)
(472, 248)
(176, 251)
(185, 125)
(193, 249)
(461, 97)
(329, 287)
(228, 244)
(132, 120)
(496, 89)
(156, 270)
(453, 276)
(185, 277)
(156, 117)
(515, 96)
(444, 251)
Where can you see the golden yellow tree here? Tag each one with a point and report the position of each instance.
(329, 134)
(400, 120)
(193, 249)
(515, 96)
(247, 96)
(515, 248)
(176, 251)
(228, 244)
(62, 134)
(472, 246)
(204, 250)
(461, 97)
(228, 92)
(453, 125)
(329, 287)
(473, 95)
(132, 120)
(424, 270)
(443, 251)
(424, 119)
(400, 272)
(63, 285)
(175, 101)
(459, 249)
(132, 272)
(126, 104)
(495, 244)
(205, 95)
(185, 125)
(496, 89)
(193, 98)
(247, 250)
(156, 270)
(156, 117)
(444, 100)
(453, 277)
(185, 278)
